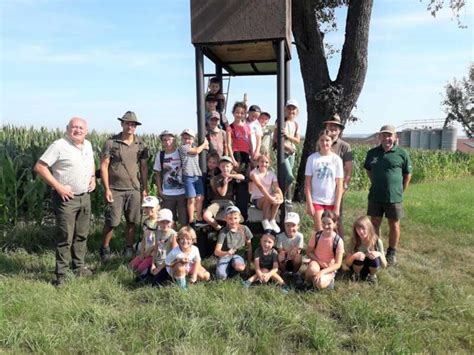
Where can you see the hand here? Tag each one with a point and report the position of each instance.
(266, 277)
(108, 196)
(359, 256)
(323, 264)
(159, 191)
(154, 269)
(373, 254)
(65, 192)
(255, 155)
(318, 276)
(92, 184)
(193, 279)
(144, 194)
(206, 144)
(231, 251)
(310, 209)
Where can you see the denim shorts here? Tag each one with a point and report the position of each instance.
(193, 186)
(225, 265)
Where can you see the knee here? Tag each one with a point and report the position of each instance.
(206, 276)
(221, 274)
(239, 267)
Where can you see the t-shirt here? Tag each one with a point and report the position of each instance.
(266, 261)
(324, 249)
(255, 130)
(267, 180)
(217, 141)
(324, 170)
(218, 181)
(150, 228)
(266, 146)
(124, 166)
(234, 240)
(176, 253)
(387, 169)
(190, 161)
(240, 138)
(291, 130)
(163, 239)
(378, 247)
(172, 181)
(286, 243)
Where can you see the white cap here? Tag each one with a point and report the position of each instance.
(292, 102)
(189, 132)
(292, 217)
(231, 209)
(150, 201)
(165, 215)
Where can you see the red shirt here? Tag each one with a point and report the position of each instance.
(240, 138)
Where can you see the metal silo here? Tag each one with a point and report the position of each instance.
(449, 138)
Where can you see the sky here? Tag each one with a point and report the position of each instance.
(97, 59)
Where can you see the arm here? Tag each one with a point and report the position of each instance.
(337, 263)
(347, 174)
(256, 180)
(258, 143)
(42, 170)
(219, 253)
(229, 147)
(104, 173)
(310, 247)
(258, 271)
(158, 183)
(199, 148)
(144, 176)
(339, 193)
(406, 181)
(307, 193)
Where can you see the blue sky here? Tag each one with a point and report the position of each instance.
(98, 59)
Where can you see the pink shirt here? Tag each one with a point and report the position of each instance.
(240, 138)
(324, 249)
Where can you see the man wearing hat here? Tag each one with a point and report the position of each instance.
(389, 169)
(335, 127)
(124, 173)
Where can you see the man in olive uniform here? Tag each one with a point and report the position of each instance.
(389, 169)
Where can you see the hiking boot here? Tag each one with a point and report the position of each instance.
(128, 251)
(391, 258)
(104, 253)
(274, 226)
(372, 279)
(83, 272)
(59, 281)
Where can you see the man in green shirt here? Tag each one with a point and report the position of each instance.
(389, 169)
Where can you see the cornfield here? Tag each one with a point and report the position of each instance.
(25, 197)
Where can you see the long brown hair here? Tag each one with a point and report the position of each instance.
(363, 222)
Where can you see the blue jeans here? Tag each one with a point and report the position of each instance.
(193, 186)
(225, 265)
(288, 169)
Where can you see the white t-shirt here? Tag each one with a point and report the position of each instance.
(193, 257)
(267, 180)
(255, 130)
(172, 182)
(324, 170)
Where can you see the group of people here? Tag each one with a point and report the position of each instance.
(238, 174)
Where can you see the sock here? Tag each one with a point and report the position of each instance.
(181, 282)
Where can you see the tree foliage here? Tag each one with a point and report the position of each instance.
(458, 102)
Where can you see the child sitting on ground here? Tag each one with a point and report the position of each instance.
(367, 251)
(265, 192)
(325, 249)
(266, 262)
(222, 191)
(232, 241)
(289, 245)
(143, 261)
(165, 240)
(192, 175)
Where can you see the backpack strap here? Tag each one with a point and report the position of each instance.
(162, 159)
(335, 242)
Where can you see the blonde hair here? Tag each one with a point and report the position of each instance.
(265, 155)
(363, 222)
(186, 232)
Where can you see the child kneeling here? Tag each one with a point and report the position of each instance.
(289, 245)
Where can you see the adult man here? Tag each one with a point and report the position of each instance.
(389, 169)
(72, 177)
(124, 160)
(169, 182)
(335, 127)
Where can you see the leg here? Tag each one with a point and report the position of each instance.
(238, 263)
(324, 281)
(277, 278)
(113, 213)
(133, 215)
(376, 221)
(190, 207)
(394, 233)
(129, 234)
(203, 274)
(274, 211)
(297, 260)
(107, 233)
(312, 270)
(317, 219)
(222, 267)
(266, 208)
(182, 210)
(199, 202)
(79, 243)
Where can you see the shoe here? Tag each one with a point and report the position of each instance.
(372, 279)
(266, 224)
(275, 226)
(284, 289)
(128, 251)
(83, 272)
(391, 258)
(199, 224)
(246, 283)
(59, 281)
(355, 277)
(104, 253)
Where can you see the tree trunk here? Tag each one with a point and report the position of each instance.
(323, 96)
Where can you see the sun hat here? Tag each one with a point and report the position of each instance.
(292, 102)
(165, 215)
(388, 129)
(166, 133)
(189, 132)
(214, 114)
(292, 217)
(129, 116)
(335, 119)
(150, 201)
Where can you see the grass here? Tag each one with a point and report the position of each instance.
(424, 305)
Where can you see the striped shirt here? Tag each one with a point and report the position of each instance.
(71, 166)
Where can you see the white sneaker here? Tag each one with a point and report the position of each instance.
(266, 224)
(274, 226)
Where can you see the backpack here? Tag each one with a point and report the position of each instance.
(335, 241)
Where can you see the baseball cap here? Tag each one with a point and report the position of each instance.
(165, 215)
(189, 132)
(150, 201)
(166, 133)
(231, 209)
(214, 114)
(292, 217)
(226, 159)
(292, 102)
(255, 108)
(388, 129)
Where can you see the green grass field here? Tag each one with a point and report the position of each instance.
(423, 305)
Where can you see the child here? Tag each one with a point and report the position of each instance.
(367, 251)
(217, 137)
(289, 245)
(291, 137)
(222, 191)
(233, 239)
(192, 175)
(165, 240)
(266, 193)
(267, 133)
(323, 182)
(214, 88)
(183, 260)
(266, 262)
(143, 261)
(325, 250)
(255, 130)
(212, 170)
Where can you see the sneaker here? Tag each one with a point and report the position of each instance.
(289, 203)
(128, 251)
(246, 283)
(274, 226)
(391, 258)
(355, 277)
(266, 224)
(83, 272)
(372, 279)
(59, 281)
(104, 253)
(284, 289)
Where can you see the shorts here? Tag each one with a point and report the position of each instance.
(366, 264)
(225, 265)
(318, 207)
(126, 201)
(391, 210)
(218, 205)
(193, 186)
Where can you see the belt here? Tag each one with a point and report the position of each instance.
(80, 194)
